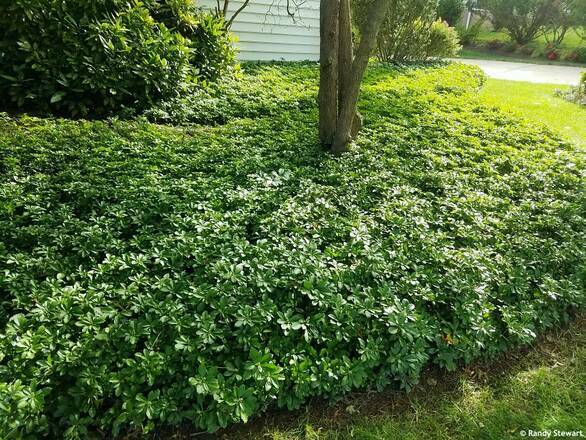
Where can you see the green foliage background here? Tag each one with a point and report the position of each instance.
(451, 10)
(411, 31)
(94, 58)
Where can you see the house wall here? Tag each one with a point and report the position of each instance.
(266, 32)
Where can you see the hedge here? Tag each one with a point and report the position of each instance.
(91, 58)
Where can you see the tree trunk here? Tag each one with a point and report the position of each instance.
(345, 52)
(343, 133)
(345, 59)
(328, 77)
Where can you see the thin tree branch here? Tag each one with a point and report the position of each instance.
(238, 11)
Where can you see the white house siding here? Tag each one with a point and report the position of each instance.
(266, 32)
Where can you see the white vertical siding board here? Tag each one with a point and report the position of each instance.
(266, 32)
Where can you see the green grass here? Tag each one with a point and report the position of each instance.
(538, 103)
(541, 388)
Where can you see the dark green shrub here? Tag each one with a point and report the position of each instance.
(470, 36)
(522, 19)
(154, 275)
(213, 53)
(539, 52)
(527, 49)
(563, 16)
(498, 44)
(451, 10)
(510, 46)
(443, 41)
(579, 10)
(581, 54)
(406, 32)
(577, 54)
(98, 57)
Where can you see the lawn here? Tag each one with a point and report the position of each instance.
(208, 261)
(539, 103)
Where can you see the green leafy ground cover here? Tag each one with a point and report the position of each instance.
(539, 389)
(155, 275)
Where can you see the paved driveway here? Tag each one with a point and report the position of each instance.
(537, 73)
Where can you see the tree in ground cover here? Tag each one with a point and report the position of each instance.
(342, 71)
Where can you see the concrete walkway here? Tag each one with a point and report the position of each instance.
(536, 73)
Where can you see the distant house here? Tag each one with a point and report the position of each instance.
(266, 32)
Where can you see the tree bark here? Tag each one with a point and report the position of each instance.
(328, 78)
(345, 51)
(343, 133)
(345, 59)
